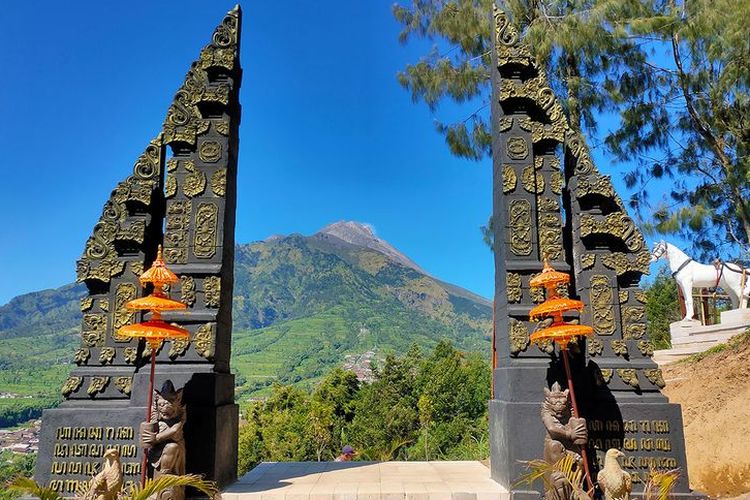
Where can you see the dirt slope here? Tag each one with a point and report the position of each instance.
(715, 396)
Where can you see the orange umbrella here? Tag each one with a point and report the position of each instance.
(559, 331)
(555, 306)
(158, 274)
(548, 277)
(154, 331)
(155, 302)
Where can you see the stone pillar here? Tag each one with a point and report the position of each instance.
(617, 383)
(192, 194)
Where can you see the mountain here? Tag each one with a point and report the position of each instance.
(302, 304)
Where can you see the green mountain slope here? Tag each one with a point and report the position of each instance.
(302, 304)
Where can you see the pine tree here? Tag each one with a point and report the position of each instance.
(583, 44)
(676, 72)
(692, 127)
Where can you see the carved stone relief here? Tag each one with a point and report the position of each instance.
(513, 287)
(602, 312)
(204, 243)
(520, 227)
(518, 336)
(517, 148)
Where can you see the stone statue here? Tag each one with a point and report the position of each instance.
(565, 436)
(107, 484)
(689, 274)
(163, 437)
(615, 483)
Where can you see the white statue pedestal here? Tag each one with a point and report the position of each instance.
(690, 337)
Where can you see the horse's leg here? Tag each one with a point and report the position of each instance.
(731, 286)
(687, 294)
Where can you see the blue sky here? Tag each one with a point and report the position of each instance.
(327, 133)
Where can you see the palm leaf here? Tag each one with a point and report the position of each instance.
(663, 482)
(540, 469)
(30, 487)
(154, 486)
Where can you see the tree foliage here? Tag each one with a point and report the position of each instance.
(677, 74)
(583, 44)
(417, 407)
(692, 126)
(662, 308)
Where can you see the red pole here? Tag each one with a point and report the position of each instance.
(584, 454)
(144, 465)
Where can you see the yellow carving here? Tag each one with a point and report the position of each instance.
(629, 376)
(204, 241)
(71, 385)
(517, 148)
(550, 235)
(219, 182)
(602, 312)
(646, 348)
(622, 263)
(210, 151)
(634, 331)
(595, 346)
(509, 179)
(616, 224)
(176, 231)
(556, 182)
(86, 303)
(130, 354)
(505, 123)
(619, 347)
(203, 341)
(170, 186)
(212, 290)
(554, 131)
(107, 355)
(587, 260)
(518, 336)
(548, 205)
(222, 127)
(654, 375)
(94, 326)
(533, 182)
(178, 348)
(187, 290)
(82, 355)
(97, 384)
(122, 316)
(136, 267)
(195, 180)
(633, 314)
(124, 384)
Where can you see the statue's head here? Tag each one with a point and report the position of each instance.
(169, 401)
(556, 401)
(112, 454)
(614, 454)
(659, 251)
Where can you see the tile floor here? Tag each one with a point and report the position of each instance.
(367, 481)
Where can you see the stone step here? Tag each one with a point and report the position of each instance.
(468, 480)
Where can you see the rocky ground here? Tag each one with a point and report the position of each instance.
(714, 391)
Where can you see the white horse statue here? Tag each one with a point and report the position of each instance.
(689, 274)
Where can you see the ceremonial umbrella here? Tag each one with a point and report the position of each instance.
(155, 330)
(559, 331)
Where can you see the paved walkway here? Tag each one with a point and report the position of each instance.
(367, 480)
